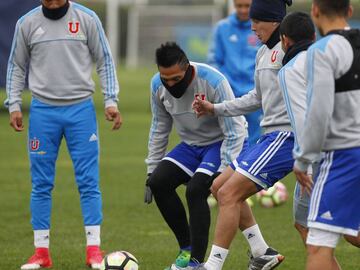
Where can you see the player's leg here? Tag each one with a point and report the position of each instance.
(227, 173)
(301, 203)
(45, 133)
(254, 127)
(320, 250)
(264, 164)
(81, 136)
(175, 169)
(334, 200)
(354, 240)
(231, 197)
(197, 191)
(163, 183)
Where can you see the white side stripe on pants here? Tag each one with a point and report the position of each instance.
(319, 185)
(269, 153)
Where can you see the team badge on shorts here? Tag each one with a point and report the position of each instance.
(34, 144)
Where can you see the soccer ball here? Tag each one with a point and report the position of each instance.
(274, 196)
(119, 260)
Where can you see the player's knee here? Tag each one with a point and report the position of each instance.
(215, 188)
(225, 198)
(158, 181)
(198, 187)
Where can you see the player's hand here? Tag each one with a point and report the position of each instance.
(112, 114)
(148, 193)
(16, 121)
(202, 107)
(304, 179)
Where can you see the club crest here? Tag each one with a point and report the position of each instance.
(273, 56)
(34, 144)
(74, 27)
(200, 96)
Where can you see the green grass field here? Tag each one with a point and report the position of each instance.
(128, 224)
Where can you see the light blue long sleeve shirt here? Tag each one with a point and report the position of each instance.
(233, 51)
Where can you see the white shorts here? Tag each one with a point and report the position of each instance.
(318, 237)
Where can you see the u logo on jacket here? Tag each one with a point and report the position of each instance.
(74, 28)
(273, 56)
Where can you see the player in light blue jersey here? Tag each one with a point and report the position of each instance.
(297, 35)
(207, 146)
(233, 51)
(57, 43)
(297, 32)
(264, 163)
(331, 126)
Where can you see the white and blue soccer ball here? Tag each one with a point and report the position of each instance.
(119, 260)
(274, 196)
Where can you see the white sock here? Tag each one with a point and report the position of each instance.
(92, 235)
(216, 258)
(41, 238)
(256, 241)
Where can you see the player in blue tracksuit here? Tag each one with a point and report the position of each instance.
(233, 51)
(58, 43)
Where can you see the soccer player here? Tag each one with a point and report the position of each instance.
(233, 51)
(331, 126)
(297, 34)
(207, 146)
(264, 163)
(56, 44)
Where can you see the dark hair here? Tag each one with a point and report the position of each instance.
(333, 7)
(297, 26)
(170, 54)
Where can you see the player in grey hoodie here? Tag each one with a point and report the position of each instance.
(264, 163)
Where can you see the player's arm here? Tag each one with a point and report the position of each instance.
(16, 73)
(160, 129)
(235, 107)
(233, 128)
(246, 104)
(216, 52)
(105, 67)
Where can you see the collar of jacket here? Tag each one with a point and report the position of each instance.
(56, 13)
(295, 49)
(274, 38)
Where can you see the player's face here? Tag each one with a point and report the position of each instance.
(242, 8)
(172, 75)
(52, 4)
(263, 30)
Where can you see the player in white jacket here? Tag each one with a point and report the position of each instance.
(331, 126)
(264, 163)
(207, 146)
(297, 34)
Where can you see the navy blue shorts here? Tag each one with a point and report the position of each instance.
(335, 199)
(191, 159)
(269, 160)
